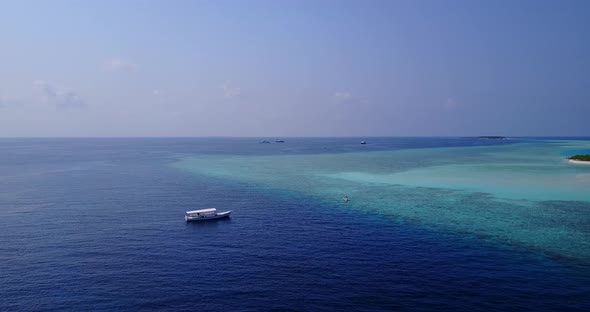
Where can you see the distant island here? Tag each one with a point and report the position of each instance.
(579, 159)
(492, 137)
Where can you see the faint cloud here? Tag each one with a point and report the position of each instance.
(450, 104)
(346, 97)
(342, 96)
(157, 92)
(56, 96)
(230, 92)
(119, 65)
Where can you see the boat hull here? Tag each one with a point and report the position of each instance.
(217, 216)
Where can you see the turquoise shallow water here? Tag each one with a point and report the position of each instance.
(524, 195)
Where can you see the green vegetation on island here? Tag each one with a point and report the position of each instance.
(580, 157)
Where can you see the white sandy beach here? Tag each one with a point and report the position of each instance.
(579, 162)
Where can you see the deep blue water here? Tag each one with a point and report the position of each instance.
(97, 224)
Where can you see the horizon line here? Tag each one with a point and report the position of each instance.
(278, 137)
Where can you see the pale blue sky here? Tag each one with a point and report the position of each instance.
(294, 68)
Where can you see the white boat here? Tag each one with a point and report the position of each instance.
(205, 214)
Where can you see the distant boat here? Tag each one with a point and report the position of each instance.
(280, 141)
(205, 214)
(264, 142)
(363, 142)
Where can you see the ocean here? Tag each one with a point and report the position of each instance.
(444, 223)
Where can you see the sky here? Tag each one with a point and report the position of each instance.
(294, 68)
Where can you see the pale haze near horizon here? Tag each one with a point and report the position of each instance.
(294, 68)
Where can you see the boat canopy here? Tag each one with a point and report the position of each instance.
(202, 211)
